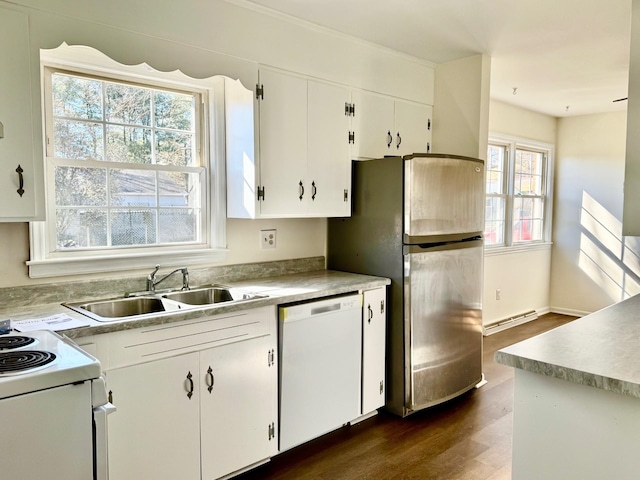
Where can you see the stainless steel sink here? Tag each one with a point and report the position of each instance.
(147, 305)
(211, 295)
(119, 308)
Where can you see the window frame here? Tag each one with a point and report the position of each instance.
(511, 145)
(46, 261)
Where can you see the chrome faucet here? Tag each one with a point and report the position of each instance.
(152, 281)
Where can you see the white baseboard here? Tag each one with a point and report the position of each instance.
(568, 311)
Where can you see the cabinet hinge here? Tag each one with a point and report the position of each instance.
(381, 386)
(259, 92)
(381, 306)
(428, 147)
(260, 193)
(346, 195)
(352, 137)
(428, 124)
(271, 358)
(349, 109)
(272, 431)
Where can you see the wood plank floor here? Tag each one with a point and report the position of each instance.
(467, 438)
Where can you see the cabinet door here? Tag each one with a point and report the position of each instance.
(155, 431)
(328, 165)
(412, 128)
(373, 349)
(16, 146)
(283, 144)
(236, 406)
(373, 125)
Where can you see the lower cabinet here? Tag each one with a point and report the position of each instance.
(374, 324)
(199, 415)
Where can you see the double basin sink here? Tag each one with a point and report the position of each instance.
(151, 304)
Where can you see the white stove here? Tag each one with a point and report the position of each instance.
(53, 405)
(63, 363)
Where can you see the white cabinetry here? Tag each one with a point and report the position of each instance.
(303, 166)
(373, 349)
(20, 187)
(193, 410)
(155, 433)
(387, 126)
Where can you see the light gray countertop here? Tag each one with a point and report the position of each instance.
(600, 350)
(281, 289)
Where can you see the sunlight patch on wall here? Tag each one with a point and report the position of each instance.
(606, 256)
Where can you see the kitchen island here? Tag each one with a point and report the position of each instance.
(577, 398)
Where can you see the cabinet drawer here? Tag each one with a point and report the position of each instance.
(166, 340)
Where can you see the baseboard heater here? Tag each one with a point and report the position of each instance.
(510, 322)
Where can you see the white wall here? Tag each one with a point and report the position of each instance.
(203, 38)
(523, 277)
(461, 107)
(591, 268)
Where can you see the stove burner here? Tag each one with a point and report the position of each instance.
(15, 341)
(11, 362)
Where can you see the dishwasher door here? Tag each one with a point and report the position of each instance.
(320, 364)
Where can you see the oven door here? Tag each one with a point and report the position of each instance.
(47, 433)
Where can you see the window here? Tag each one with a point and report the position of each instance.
(129, 172)
(123, 162)
(518, 186)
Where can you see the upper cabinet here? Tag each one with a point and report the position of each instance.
(308, 132)
(303, 165)
(388, 126)
(20, 175)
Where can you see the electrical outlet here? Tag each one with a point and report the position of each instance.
(267, 239)
(497, 294)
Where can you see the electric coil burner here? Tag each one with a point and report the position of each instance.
(22, 360)
(16, 341)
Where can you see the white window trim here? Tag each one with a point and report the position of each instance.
(42, 264)
(512, 142)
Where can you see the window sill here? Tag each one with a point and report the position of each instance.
(518, 248)
(59, 267)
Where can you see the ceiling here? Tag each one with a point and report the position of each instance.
(564, 57)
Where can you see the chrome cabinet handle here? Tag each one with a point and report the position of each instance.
(190, 380)
(399, 140)
(301, 190)
(389, 138)
(19, 171)
(370, 310)
(314, 190)
(210, 379)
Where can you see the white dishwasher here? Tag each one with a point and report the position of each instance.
(320, 367)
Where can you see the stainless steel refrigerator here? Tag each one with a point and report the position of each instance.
(418, 220)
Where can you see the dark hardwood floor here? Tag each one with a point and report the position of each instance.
(466, 438)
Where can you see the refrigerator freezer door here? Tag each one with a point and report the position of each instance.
(443, 198)
(443, 296)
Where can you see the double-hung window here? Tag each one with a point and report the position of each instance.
(518, 193)
(128, 173)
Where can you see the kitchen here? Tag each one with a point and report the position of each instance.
(576, 138)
